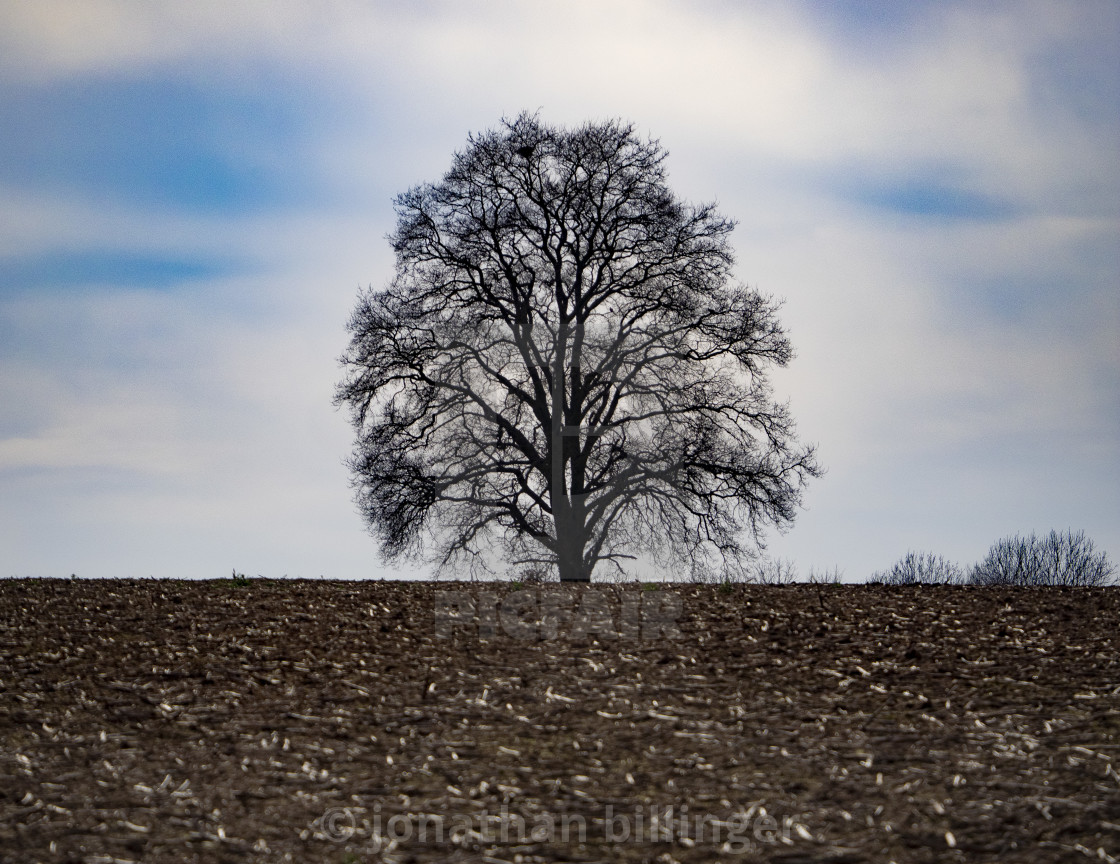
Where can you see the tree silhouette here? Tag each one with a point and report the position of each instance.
(1060, 558)
(562, 372)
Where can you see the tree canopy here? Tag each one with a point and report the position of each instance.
(562, 372)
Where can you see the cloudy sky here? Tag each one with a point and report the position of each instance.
(191, 195)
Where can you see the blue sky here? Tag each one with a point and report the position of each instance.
(192, 194)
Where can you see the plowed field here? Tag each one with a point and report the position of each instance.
(341, 722)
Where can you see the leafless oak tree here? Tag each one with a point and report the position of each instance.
(562, 371)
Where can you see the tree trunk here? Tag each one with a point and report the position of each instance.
(570, 559)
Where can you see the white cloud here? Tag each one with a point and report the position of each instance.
(60, 38)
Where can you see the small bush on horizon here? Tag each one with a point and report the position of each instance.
(239, 580)
(920, 568)
(826, 577)
(1060, 558)
(774, 571)
(535, 575)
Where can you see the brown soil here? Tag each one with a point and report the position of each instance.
(157, 721)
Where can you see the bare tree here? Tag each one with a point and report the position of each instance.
(921, 568)
(1060, 558)
(562, 373)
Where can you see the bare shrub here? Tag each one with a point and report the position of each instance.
(774, 571)
(920, 568)
(1061, 558)
(536, 575)
(830, 576)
